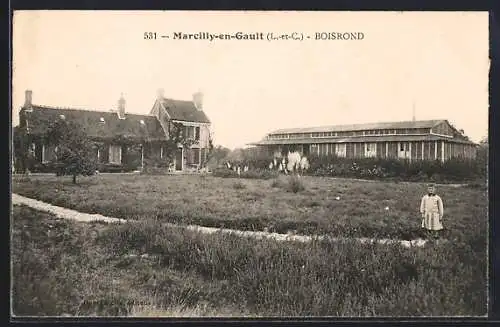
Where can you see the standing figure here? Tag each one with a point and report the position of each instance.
(431, 208)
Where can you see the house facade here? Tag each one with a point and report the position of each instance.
(122, 141)
(410, 140)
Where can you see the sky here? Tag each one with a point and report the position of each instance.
(434, 62)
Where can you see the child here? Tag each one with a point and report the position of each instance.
(431, 209)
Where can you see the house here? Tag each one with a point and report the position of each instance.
(122, 140)
(411, 140)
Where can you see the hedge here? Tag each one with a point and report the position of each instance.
(454, 170)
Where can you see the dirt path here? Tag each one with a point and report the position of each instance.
(64, 213)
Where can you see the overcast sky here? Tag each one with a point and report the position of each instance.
(437, 62)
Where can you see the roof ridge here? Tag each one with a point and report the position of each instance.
(360, 124)
(88, 110)
(171, 99)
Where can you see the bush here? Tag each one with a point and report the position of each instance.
(277, 183)
(295, 184)
(455, 170)
(239, 185)
(155, 166)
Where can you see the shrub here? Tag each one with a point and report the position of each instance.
(277, 183)
(155, 166)
(239, 185)
(377, 168)
(295, 184)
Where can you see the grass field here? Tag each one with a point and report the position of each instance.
(307, 206)
(145, 269)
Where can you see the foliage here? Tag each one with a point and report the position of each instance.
(482, 156)
(156, 165)
(212, 152)
(55, 265)
(176, 138)
(74, 155)
(217, 157)
(295, 184)
(454, 170)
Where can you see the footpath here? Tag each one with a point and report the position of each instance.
(64, 213)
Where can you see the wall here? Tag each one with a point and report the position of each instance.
(443, 129)
(381, 149)
(204, 136)
(393, 150)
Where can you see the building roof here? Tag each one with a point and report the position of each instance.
(184, 111)
(40, 118)
(360, 127)
(357, 139)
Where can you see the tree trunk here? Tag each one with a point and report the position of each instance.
(74, 179)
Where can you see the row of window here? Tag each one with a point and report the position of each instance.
(49, 153)
(350, 133)
(369, 149)
(114, 154)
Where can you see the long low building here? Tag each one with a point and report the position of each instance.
(411, 140)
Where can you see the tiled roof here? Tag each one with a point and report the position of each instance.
(360, 127)
(357, 139)
(41, 117)
(184, 110)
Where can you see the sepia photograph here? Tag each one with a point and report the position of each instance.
(249, 164)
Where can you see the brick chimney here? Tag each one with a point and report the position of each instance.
(121, 107)
(28, 97)
(198, 100)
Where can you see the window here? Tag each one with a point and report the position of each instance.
(189, 132)
(115, 154)
(340, 150)
(197, 133)
(48, 153)
(404, 150)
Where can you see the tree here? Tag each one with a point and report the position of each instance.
(210, 153)
(24, 157)
(19, 149)
(482, 155)
(74, 152)
(217, 155)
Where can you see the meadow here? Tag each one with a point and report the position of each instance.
(62, 267)
(309, 205)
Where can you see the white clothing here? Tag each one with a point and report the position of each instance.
(431, 209)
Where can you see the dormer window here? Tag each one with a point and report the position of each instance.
(102, 121)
